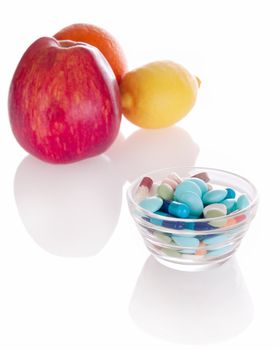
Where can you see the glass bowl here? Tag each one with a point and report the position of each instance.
(194, 244)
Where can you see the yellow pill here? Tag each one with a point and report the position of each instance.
(158, 94)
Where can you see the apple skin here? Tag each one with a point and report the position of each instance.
(64, 102)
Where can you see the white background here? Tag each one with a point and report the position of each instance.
(74, 273)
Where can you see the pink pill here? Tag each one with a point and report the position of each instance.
(170, 182)
(201, 251)
(203, 176)
(175, 177)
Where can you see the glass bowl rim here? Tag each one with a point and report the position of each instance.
(251, 205)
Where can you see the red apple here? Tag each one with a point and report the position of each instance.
(64, 102)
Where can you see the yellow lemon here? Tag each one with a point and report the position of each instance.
(158, 94)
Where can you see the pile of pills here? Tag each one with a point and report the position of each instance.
(190, 198)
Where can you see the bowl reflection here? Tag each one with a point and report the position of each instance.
(191, 307)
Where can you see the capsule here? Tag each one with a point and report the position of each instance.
(179, 210)
(143, 189)
(165, 206)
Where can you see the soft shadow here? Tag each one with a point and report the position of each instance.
(69, 210)
(191, 307)
(72, 210)
(147, 150)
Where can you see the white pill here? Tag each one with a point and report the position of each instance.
(214, 210)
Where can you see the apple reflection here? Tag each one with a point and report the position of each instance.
(72, 210)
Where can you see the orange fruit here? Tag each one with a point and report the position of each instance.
(99, 38)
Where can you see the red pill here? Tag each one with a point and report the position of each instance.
(147, 182)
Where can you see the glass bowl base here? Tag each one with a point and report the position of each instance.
(206, 265)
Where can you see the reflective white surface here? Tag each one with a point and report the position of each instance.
(72, 210)
(74, 272)
(181, 306)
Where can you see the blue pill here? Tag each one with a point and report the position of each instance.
(193, 201)
(214, 196)
(186, 186)
(185, 241)
(151, 203)
(202, 185)
(179, 210)
(203, 226)
(175, 225)
(215, 239)
(231, 205)
(230, 193)
(165, 206)
(242, 202)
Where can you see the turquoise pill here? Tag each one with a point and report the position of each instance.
(214, 196)
(193, 201)
(186, 186)
(230, 203)
(212, 239)
(242, 202)
(162, 213)
(218, 252)
(155, 221)
(230, 193)
(151, 203)
(179, 210)
(202, 185)
(185, 241)
(189, 225)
